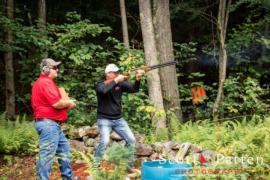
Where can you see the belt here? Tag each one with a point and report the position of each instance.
(46, 119)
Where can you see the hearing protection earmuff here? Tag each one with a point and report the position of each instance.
(46, 67)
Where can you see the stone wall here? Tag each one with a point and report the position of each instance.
(86, 139)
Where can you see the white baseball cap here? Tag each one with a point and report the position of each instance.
(111, 68)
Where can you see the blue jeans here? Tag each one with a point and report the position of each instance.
(52, 142)
(120, 126)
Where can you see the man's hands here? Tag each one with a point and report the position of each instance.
(72, 104)
(61, 104)
(139, 74)
(120, 78)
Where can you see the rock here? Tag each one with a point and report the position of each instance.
(77, 145)
(139, 138)
(90, 142)
(115, 136)
(143, 150)
(169, 145)
(123, 142)
(154, 156)
(86, 131)
(84, 138)
(90, 150)
(176, 147)
(158, 147)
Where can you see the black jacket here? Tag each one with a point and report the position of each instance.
(109, 98)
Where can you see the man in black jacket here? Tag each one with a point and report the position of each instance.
(109, 110)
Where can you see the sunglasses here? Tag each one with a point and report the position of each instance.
(55, 68)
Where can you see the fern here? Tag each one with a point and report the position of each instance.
(117, 156)
(17, 136)
(241, 138)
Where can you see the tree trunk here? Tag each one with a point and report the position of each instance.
(154, 87)
(124, 23)
(223, 16)
(42, 13)
(164, 43)
(42, 21)
(9, 70)
(2, 5)
(29, 17)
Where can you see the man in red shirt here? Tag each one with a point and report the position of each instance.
(50, 110)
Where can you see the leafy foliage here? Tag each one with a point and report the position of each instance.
(17, 137)
(137, 104)
(243, 97)
(240, 47)
(232, 139)
(118, 157)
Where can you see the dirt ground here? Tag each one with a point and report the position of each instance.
(23, 168)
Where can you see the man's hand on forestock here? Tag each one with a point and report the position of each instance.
(139, 74)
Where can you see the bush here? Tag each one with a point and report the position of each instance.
(243, 97)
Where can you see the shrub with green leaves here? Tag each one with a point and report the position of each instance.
(243, 97)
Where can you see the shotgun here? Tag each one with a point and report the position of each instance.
(145, 68)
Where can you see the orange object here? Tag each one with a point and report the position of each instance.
(198, 95)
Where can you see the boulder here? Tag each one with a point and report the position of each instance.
(155, 156)
(89, 142)
(86, 131)
(115, 136)
(77, 145)
(158, 147)
(139, 138)
(143, 150)
(169, 145)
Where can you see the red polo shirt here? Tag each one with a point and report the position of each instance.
(45, 93)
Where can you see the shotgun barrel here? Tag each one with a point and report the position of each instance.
(149, 68)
